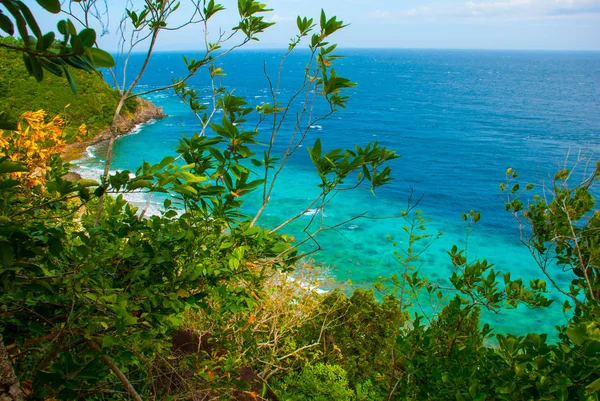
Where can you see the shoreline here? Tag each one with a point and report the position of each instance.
(145, 113)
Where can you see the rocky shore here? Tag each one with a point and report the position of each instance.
(145, 112)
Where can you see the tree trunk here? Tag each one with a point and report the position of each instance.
(10, 388)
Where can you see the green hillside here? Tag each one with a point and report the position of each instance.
(93, 104)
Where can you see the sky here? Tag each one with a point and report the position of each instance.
(442, 24)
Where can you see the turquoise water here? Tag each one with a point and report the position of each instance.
(459, 119)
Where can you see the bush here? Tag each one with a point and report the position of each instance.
(319, 382)
(93, 104)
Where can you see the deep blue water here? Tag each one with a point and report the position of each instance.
(459, 119)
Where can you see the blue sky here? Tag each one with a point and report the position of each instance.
(503, 24)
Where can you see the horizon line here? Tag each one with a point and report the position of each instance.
(284, 48)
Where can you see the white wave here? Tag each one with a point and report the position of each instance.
(91, 152)
(297, 281)
(138, 199)
(87, 171)
(319, 127)
(312, 212)
(310, 287)
(138, 128)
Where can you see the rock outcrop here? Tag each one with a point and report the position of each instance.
(146, 111)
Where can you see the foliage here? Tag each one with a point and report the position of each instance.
(42, 51)
(91, 296)
(33, 144)
(89, 304)
(362, 340)
(319, 382)
(563, 229)
(93, 105)
(123, 285)
(449, 355)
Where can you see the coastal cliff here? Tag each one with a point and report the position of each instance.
(93, 103)
(145, 111)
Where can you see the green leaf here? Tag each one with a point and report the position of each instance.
(594, 387)
(62, 27)
(70, 80)
(323, 20)
(185, 190)
(108, 341)
(27, 62)
(561, 175)
(77, 45)
(55, 246)
(8, 125)
(87, 37)
(87, 183)
(36, 328)
(13, 167)
(315, 151)
(21, 23)
(166, 161)
(52, 6)
(71, 28)
(52, 68)
(101, 59)
(137, 184)
(7, 184)
(576, 334)
(6, 24)
(6, 253)
(31, 22)
(36, 67)
(47, 40)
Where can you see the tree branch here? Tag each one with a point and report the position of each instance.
(132, 392)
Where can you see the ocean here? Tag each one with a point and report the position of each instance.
(457, 118)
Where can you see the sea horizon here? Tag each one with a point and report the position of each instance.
(351, 48)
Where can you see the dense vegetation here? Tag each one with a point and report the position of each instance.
(93, 104)
(199, 302)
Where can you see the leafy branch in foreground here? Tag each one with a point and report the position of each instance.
(91, 300)
(43, 51)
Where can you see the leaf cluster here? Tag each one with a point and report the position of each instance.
(43, 51)
(93, 105)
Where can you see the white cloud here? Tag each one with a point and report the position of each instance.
(498, 7)
(378, 14)
(413, 12)
(278, 18)
(531, 8)
(570, 7)
(501, 9)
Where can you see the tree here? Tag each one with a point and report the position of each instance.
(89, 304)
